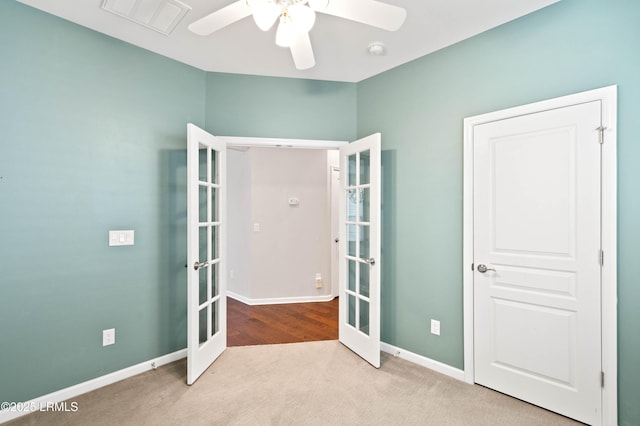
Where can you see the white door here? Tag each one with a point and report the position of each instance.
(537, 320)
(206, 251)
(359, 311)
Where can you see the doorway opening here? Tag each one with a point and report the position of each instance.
(282, 276)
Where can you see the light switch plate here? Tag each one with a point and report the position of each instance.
(121, 238)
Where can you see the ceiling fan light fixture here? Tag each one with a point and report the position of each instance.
(303, 17)
(318, 4)
(285, 35)
(265, 13)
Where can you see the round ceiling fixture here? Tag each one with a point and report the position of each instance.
(377, 48)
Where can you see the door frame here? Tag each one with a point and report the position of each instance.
(608, 98)
(334, 206)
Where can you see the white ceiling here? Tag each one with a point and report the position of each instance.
(340, 46)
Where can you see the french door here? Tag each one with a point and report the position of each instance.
(359, 310)
(537, 258)
(206, 251)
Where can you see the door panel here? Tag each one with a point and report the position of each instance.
(537, 229)
(359, 311)
(206, 251)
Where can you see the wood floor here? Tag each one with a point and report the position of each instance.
(287, 323)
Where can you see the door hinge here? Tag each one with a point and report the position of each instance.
(602, 379)
(472, 266)
(601, 129)
(601, 258)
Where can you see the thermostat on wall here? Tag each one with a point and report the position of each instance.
(293, 201)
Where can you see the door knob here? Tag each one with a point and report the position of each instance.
(483, 268)
(371, 261)
(199, 265)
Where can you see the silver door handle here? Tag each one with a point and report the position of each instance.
(483, 268)
(337, 240)
(199, 265)
(371, 261)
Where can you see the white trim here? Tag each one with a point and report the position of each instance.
(93, 384)
(608, 97)
(429, 363)
(279, 300)
(609, 231)
(235, 141)
(334, 219)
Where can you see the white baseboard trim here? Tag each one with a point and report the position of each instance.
(280, 300)
(423, 361)
(88, 386)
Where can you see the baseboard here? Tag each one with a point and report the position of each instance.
(280, 300)
(423, 361)
(88, 386)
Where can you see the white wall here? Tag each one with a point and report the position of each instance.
(238, 222)
(293, 242)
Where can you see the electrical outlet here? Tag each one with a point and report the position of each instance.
(108, 337)
(435, 327)
(319, 280)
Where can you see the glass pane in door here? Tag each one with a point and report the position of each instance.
(214, 242)
(351, 310)
(365, 197)
(203, 285)
(364, 279)
(214, 280)
(214, 167)
(365, 162)
(202, 316)
(214, 317)
(351, 240)
(364, 241)
(202, 198)
(352, 205)
(202, 244)
(352, 171)
(215, 215)
(202, 165)
(364, 316)
(352, 275)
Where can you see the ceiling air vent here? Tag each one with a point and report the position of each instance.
(159, 15)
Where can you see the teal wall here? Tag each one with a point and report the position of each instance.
(572, 46)
(245, 105)
(92, 138)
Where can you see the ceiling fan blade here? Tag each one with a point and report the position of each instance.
(370, 12)
(302, 51)
(221, 18)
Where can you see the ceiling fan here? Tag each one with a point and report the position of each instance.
(297, 18)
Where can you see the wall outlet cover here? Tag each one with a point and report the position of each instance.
(108, 337)
(435, 327)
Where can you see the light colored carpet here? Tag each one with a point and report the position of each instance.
(316, 383)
